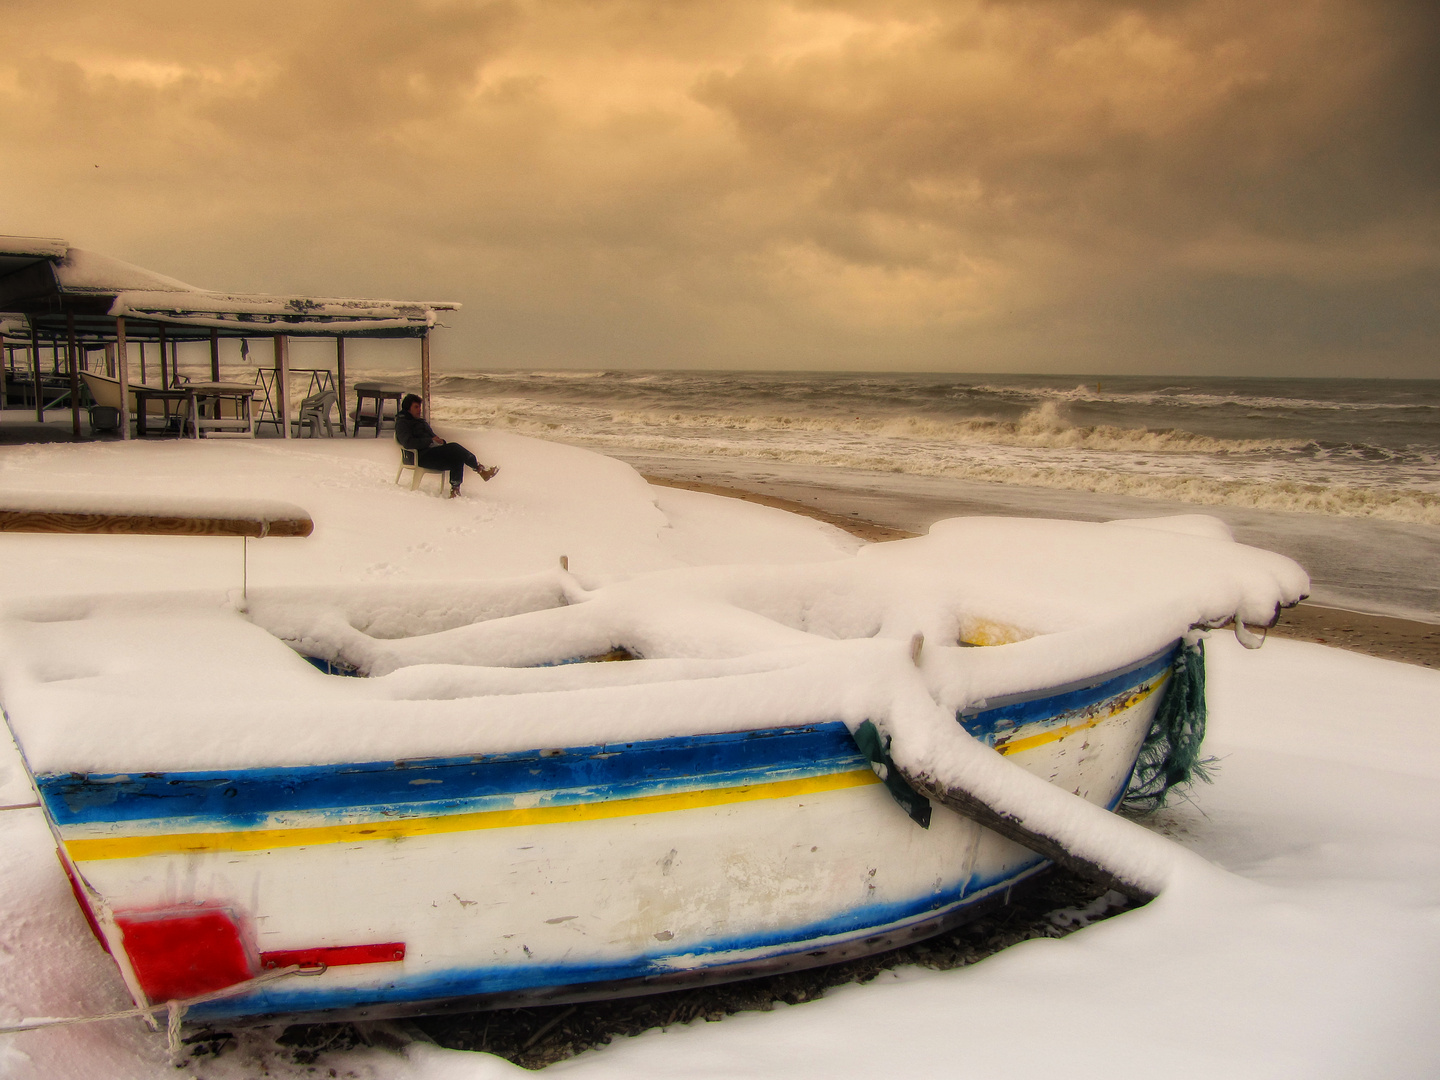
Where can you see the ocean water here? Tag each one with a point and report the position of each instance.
(1351, 448)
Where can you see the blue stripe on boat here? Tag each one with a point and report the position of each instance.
(1006, 715)
(247, 797)
(521, 975)
(441, 785)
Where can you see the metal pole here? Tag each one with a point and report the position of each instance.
(282, 368)
(35, 371)
(122, 371)
(425, 371)
(164, 375)
(340, 378)
(73, 356)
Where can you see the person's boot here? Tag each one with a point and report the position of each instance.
(454, 491)
(487, 474)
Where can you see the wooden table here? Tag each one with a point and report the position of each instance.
(241, 425)
(381, 393)
(145, 394)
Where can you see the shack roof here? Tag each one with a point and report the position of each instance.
(49, 282)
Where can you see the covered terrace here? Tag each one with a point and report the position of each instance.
(75, 303)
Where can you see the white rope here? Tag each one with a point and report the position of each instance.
(175, 1009)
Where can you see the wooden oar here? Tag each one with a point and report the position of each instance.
(972, 806)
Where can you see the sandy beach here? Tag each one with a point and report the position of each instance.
(1412, 641)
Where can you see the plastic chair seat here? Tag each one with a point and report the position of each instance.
(419, 472)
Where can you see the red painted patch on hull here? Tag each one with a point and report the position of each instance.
(184, 952)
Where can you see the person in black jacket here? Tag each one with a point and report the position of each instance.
(431, 451)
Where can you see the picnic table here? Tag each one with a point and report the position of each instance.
(380, 392)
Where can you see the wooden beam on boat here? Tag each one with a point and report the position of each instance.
(79, 522)
(214, 355)
(977, 809)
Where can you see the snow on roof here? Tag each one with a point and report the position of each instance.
(314, 313)
(90, 272)
(41, 247)
(144, 294)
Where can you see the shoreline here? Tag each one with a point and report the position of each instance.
(1409, 641)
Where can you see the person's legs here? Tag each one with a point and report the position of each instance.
(450, 456)
(454, 457)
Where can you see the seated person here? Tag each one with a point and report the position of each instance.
(431, 451)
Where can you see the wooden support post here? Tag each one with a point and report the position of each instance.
(340, 380)
(282, 371)
(73, 355)
(174, 361)
(110, 359)
(5, 352)
(425, 372)
(215, 364)
(143, 378)
(164, 374)
(122, 372)
(35, 373)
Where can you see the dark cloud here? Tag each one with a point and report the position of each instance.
(1196, 183)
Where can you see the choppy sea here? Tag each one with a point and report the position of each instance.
(1350, 447)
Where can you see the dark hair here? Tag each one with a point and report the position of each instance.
(408, 400)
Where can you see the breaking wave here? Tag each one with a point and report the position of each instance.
(1042, 427)
(1104, 476)
(1370, 450)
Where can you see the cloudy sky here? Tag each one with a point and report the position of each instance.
(1164, 185)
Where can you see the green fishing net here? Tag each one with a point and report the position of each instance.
(1170, 756)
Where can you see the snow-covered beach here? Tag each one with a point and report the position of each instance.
(1306, 949)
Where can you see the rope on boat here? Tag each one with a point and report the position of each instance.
(1170, 755)
(175, 1009)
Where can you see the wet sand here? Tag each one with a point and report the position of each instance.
(1390, 638)
(1377, 635)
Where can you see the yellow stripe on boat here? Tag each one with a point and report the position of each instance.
(1056, 734)
(198, 843)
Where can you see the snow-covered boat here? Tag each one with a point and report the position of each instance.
(486, 820)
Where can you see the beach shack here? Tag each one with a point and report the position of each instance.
(75, 303)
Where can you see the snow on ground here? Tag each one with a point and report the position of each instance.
(548, 500)
(1307, 948)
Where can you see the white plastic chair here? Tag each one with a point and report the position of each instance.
(419, 472)
(315, 410)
